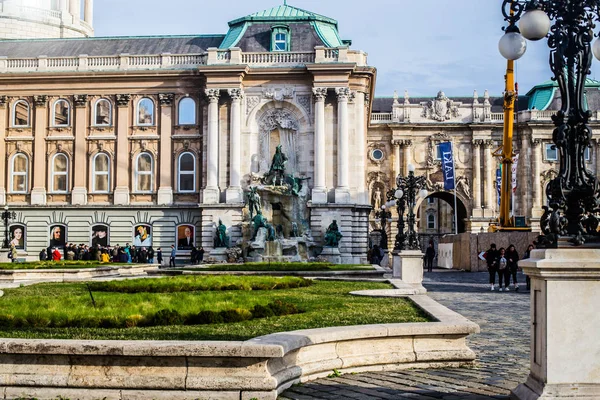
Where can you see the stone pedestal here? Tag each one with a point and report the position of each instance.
(219, 254)
(332, 254)
(79, 196)
(385, 261)
(211, 195)
(38, 196)
(121, 196)
(319, 196)
(234, 195)
(408, 266)
(565, 350)
(165, 196)
(4, 256)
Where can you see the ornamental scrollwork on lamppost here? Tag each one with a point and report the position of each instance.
(573, 195)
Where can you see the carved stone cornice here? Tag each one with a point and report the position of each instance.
(489, 144)
(40, 100)
(123, 100)
(236, 94)
(320, 93)
(3, 100)
(80, 100)
(212, 95)
(166, 99)
(477, 142)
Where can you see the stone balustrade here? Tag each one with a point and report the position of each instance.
(213, 56)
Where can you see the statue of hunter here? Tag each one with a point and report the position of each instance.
(276, 174)
(254, 202)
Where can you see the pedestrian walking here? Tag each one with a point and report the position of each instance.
(511, 271)
(150, 255)
(200, 258)
(491, 258)
(43, 255)
(159, 256)
(173, 256)
(502, 270)
(429, 256)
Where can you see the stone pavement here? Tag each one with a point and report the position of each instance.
(502, 349)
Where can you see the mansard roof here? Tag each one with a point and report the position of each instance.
(251, 33)
(546, 95)
(109, 46)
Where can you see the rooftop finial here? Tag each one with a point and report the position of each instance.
(285, 2)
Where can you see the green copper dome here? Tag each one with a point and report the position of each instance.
(541, 96)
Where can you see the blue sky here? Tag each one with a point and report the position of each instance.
(420, 46)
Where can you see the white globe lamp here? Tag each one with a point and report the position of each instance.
(534, 25)
(399, 193)
(512, 45)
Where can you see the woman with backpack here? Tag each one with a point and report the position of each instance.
(491, 257)
(511, 271)
(502, 263)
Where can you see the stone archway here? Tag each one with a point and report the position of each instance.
(448, 197)
(278, 126)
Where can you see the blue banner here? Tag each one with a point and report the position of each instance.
(447, 165)
(499, 183)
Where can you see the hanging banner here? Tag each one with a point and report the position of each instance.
(447, 165)
(515, 163)
(499, 183)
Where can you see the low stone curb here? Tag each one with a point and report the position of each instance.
(65, 275)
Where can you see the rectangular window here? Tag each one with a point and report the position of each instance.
(587, 154)
(280, 42)
(438, 152)
(551, 152)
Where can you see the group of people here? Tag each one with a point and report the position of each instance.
(118, 254)
(505, 263)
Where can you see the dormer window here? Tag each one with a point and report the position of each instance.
(280, 38)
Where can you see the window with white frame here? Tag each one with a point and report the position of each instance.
(187, 173)
(101, 173)
(187, 112)
(280, 38)
(280, 42)
(145, 112)
(21, 113)
(144, 165)
(60, 166)
(551, 152)
(438, 152)
(61, 113)
(431, 221)
(587, 154)
(102, 113)
(19, 173)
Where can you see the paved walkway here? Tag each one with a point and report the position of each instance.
(502, 348)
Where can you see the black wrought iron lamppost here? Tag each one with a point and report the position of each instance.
(6, 217)
(573, 196)
(406, 197)
(384, 216)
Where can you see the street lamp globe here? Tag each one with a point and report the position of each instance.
(411, 168)
(512, 45)
(534, 25)
(399, 193)
(6, 208)
(423, 193)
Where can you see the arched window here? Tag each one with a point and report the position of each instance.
(280, 38)
(60, 166)
(431, 221)
(61, 113)
(187, 173)
(19, 173)
(101, 173)
(103, 113)
(20, 114)
(145, 112)
(187, 112)
(144, 166)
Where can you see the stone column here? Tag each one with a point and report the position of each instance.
(477, 175)
(234, 191)
(63, 5)
(342, 191)
(165, 178)
(3, 183)
(80, 161)
(319, 192)
(361, 148)
(75, 9)
(40, 176)
(407, 144)
(211, 194)
(536, 149)
(489, 199)
(397, 144)
(523, 179)
(88, 12)
(122, 164)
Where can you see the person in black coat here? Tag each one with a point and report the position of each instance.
(491, 258)
(429, 256)
(512, 258)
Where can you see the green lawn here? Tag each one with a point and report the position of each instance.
(293, 266)
(322, 304)
(56, 265)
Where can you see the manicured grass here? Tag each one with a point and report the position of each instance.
(56, 265)
(198, 283)
(324, 304)
(294, 266)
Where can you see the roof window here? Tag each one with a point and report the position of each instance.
(280, 38)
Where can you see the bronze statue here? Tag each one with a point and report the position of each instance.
(333, 235)
(254, 201)
(221, 239)
(260, 221)
(276, 174)
(295, 184)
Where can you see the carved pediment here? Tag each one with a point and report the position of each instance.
(440, 109)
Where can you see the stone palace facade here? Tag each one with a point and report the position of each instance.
(164, 134)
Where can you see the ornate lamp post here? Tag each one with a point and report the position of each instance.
(6, 217)
(406, 196)
(573, 196)
(383, 215)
